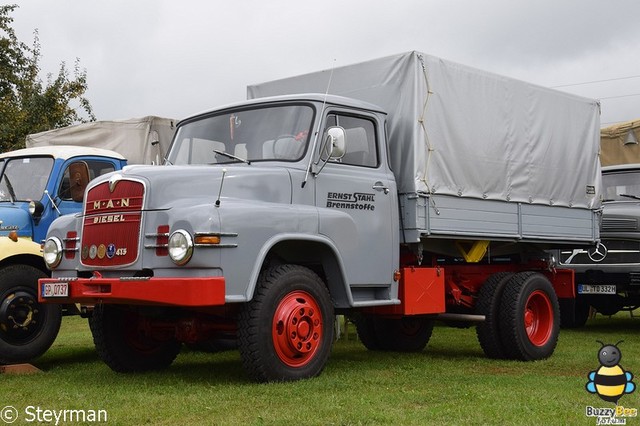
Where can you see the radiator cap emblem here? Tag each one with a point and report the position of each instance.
(598, 253)
(113, 181)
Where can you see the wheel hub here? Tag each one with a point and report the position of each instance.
(19, 314)
(529, 318)
(297, 328)
(538, 318)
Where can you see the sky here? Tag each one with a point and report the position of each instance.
(175, 59)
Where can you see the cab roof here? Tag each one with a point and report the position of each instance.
(63, 152)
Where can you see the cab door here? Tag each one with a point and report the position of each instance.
(356, 195)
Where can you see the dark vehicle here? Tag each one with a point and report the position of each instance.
(608, 274)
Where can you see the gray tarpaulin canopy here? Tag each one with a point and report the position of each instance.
(456, 130)
(134, 138)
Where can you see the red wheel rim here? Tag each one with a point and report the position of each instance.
(297, 329)
(538, 318)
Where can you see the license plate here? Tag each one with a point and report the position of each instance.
(55, 290)
(596, 289)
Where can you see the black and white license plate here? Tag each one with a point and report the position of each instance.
(50, 290)
(596, 289)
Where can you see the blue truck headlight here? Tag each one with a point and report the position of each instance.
(52, 252)
(180, 247)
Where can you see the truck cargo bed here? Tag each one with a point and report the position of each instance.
(442, 216)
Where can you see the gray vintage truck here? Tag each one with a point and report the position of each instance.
(404, 190)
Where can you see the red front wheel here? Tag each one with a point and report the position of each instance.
(529, 317)
(286, 331)
(297, 329)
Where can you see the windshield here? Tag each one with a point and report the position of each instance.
(621, 186)
(24, 179)
(265, 133)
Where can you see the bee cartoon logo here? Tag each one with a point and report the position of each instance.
(610, 381)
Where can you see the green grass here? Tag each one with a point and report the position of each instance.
(451, 382)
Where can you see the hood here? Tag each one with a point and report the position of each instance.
(13, 217)
(620, 216)
(193, 185)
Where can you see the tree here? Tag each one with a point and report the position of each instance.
(27, 105)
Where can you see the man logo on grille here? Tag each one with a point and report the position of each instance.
(113, 181)
(598, 253)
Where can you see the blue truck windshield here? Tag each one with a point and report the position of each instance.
(265, 133)
(24, 179)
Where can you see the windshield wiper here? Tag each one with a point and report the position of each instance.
(635, 197)
(233, 157)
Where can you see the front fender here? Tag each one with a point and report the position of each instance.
(23, 246)
(59, 228)
(289, 232)
(331, 261)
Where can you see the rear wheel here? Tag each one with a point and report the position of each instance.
(365, 326)
(286, 331)
(27, 328)
(406, 334)
(126, 341)
(489, 298)
(529, 317)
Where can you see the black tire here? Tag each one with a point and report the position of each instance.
(529, 317)
(27, 328)
(488, 304)
(286, 332)
(365, 327)
(575, 315)
(609, 304)
(406, 334)
(124, 346)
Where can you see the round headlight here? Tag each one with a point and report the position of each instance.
(52, 252)
(180, 247)
(35, 209)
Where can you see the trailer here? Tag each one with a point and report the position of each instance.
(396, 191)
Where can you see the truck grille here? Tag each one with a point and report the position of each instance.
(609, 252)
(111, 228)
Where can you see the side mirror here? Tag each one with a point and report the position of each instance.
(335, 142)
(78, 180)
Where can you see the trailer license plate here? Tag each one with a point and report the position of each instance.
(596, 289)
(55, 290)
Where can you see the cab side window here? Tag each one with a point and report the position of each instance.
(360, 139)
(96, 168)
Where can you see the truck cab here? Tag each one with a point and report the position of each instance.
(608, 274)
(37, 185)
(334, 192)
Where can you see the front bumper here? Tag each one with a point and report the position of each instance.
(187, 292)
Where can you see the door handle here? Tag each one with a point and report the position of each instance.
(379, 186)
